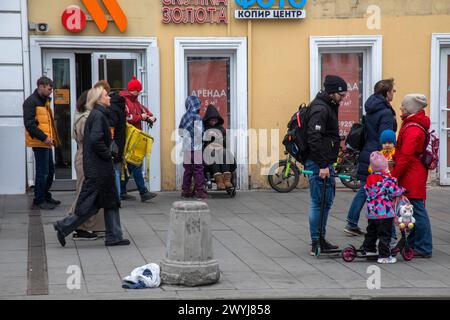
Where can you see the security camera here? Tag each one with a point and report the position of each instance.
(42, 27)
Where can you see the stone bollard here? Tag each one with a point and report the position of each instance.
(189, 259)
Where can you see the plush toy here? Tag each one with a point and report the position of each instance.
(406, 218)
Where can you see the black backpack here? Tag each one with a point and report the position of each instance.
(295, 138)
(356, 138)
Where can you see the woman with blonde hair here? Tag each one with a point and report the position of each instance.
(98, 189)
(91, 228)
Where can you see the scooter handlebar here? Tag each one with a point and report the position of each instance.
(341, 176)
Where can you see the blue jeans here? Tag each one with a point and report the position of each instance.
(316, 189)
(112, 224)
(357, 205)
(45, 171)
(138, 179)
(117, 172)
(420, 237)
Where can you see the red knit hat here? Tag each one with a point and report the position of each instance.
(134, 85)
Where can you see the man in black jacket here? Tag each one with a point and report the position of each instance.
(41, 136)
(323, 147)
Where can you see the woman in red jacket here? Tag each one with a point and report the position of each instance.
(410, 171)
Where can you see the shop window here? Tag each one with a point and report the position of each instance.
(209, 79)
(349, 66)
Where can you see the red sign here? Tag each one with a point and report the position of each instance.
(347, 66)
(208, 80)
(73, 19)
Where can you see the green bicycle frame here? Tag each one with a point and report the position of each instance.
(288, 168)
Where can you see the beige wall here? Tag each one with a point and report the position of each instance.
(279, 52)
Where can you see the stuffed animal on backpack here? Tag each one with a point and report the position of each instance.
(406, 219)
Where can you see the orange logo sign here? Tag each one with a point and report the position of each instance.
(98, 15)
(74, 19)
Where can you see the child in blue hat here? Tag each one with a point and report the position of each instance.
(388, 141)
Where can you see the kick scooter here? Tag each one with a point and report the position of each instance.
(318, 252)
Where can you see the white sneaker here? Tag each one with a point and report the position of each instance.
(387, 260)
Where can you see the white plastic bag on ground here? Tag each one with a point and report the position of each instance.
(147, 276)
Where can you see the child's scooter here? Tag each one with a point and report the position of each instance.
(350, 253)
(322, 209)
(405, 224)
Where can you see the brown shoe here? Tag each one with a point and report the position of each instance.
(218, 177)
(227, 180)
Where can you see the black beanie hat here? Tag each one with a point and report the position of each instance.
(334, 84)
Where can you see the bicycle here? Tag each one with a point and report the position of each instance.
(284, 176)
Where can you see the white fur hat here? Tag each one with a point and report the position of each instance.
(414, 102)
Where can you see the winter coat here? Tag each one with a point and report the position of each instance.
(380, 116)
(381, 189)
(212, 112)
(409, 169)
(97, 222)
(134, 109)
(117, 121)
(322, 134)
(99, 188)
(217, 147)
(38, 121)
(191, 125)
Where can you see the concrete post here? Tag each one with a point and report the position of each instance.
(189, 259)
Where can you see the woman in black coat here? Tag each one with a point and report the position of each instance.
(380, 116)
(99, 189)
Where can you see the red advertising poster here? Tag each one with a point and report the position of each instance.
(348, 66)
(208, 80)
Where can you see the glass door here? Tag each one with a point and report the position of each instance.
(118, 68)
(60, 67)
(444, 119)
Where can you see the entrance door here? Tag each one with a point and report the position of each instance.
(60, 67)
(212, 78)
(444, 119)
(118, 68)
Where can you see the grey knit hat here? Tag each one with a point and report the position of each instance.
(414, 102)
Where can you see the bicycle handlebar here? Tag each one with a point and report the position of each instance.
(341, 176)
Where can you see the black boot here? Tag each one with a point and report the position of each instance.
(325, 245)
(147, 196)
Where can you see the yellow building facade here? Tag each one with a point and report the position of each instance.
(268, 66)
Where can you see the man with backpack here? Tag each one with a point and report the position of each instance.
(136, 114)
(322, 139)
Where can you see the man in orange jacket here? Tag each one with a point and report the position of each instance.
(41, 135)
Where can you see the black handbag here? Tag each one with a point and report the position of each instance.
(114, 148)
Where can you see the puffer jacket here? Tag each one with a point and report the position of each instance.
(380, 116)
(322, 134)
(409, 169)
(381, 189)
(38, 121)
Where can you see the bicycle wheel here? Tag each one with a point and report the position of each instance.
(349, 167)
(279, 180)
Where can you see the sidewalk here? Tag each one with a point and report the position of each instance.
(260, 238)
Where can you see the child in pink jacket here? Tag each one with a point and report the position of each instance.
(381, 189)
